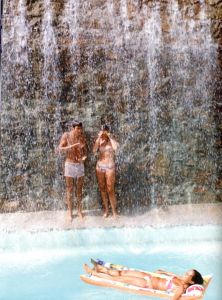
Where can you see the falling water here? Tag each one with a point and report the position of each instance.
(15, 68)
(70, 19)
(19, 33)
(51, 121)
(153, 35)
(1, 16)
(148, 70)
(192, 70)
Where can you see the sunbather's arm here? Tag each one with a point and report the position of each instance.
(178, 292)
(165, 273)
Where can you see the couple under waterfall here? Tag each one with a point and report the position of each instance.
(73, 145)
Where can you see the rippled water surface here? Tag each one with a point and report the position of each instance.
(47, 265)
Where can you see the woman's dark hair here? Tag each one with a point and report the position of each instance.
(105, 128)
(197, 277)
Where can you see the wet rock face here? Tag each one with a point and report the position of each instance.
(151, 69)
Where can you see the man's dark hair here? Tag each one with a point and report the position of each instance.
(105, 127)
(197, 277)
(76, 123)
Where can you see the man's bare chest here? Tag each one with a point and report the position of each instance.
(72, 139)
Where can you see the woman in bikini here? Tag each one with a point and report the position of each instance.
(171, 282)
(106, 147)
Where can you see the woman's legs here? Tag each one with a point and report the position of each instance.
(110, 185)
(112, 272)
(102, 187)
(140, 282)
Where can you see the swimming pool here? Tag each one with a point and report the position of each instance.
(47, 265)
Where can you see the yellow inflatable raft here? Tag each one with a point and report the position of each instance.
(193, 292)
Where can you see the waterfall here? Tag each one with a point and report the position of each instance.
(192, 71)
(50, 125)
(153, 37)
(70, 19)
(15, 68)
(19, 33)
(148, 70)
(1, 15)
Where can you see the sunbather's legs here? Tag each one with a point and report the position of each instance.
(140, 282)
(112, 272)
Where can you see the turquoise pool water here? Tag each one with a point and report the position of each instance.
(47, 265)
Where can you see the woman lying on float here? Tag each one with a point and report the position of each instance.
(166, 281)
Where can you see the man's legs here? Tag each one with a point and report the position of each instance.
(69, 195)
(79, 187)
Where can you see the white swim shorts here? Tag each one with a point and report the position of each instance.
(74, 170)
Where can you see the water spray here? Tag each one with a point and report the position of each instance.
(1, 16)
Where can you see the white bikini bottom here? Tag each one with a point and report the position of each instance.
(104, 167)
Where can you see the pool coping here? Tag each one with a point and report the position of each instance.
(174, 215)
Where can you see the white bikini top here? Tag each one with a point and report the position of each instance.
(106, 149)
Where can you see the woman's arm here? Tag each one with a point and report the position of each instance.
(83, 144)
(96, 146)
(178, 292)
(114, 143)
(165, 273)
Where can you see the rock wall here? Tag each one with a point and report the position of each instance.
(151, 69)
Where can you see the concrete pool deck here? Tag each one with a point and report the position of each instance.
(188, 214)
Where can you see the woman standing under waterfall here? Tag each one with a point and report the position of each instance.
(106, 147)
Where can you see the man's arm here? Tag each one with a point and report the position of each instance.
(63, 142)
(82, 147)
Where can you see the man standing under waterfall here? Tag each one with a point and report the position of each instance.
(73, 144)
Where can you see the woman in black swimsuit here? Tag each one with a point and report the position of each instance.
(106, 146)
